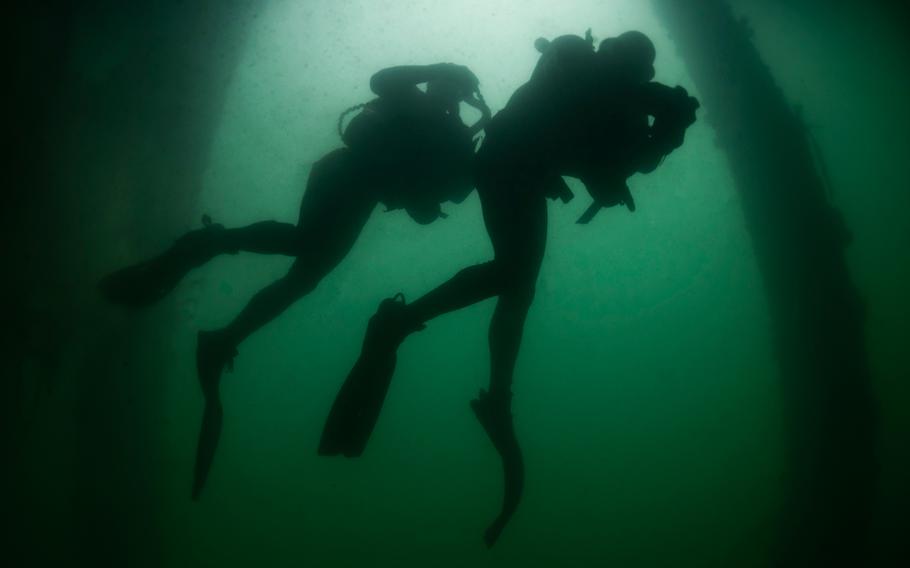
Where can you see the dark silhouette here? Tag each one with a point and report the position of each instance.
(583, 114)
(407, 149)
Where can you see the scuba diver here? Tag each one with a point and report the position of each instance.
(407, 149)
(583, 114)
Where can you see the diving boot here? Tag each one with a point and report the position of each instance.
(359, 402)
(495, 416)
(214, 354)
(147, 282)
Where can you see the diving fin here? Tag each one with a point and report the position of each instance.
(356, 408)
(147, 282)
(142, 284)
(209, 434)
(495, 417)
(212, 357)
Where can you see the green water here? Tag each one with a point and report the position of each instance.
(648, 400)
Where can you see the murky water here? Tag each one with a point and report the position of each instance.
(647, 395)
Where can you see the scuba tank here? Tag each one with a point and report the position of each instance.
(365, 130)
(562, 57)
(423, 159)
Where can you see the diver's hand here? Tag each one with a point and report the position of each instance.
(685, 106)
(676, 115)
(475, 102)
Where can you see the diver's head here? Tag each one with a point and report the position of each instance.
(629, 55)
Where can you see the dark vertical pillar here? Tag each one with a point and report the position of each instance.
(799, 241)
(115, 108)
(34, 40)
(151, 115)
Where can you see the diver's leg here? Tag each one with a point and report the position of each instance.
(216, 350)
(517, 227)
(356, 408)
(264, 237)
(519, 240)
(516, 223)
(334, 210)
(146, 282)
(468, 286)
(493, 408)
(521, 266)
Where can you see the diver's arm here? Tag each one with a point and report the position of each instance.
(396, 80)
(674, 112)
(404, 78)
(485, 114)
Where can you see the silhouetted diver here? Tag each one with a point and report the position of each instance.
(406, 149)
(582, 114)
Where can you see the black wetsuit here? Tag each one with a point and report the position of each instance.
(574, 120)
(589, 129)
(422, 156)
